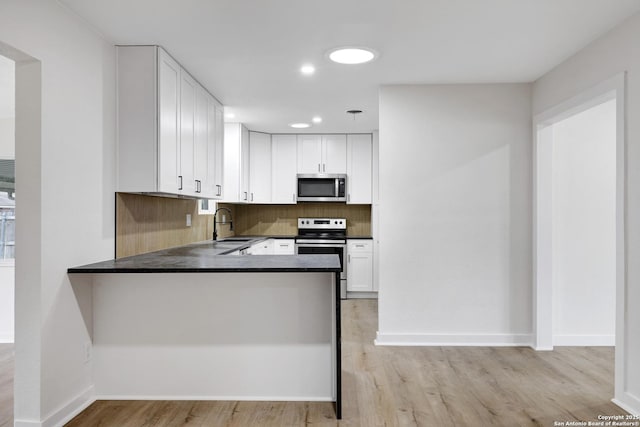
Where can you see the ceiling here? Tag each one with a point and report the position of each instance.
(248, 52)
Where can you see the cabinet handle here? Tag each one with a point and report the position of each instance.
(284, 246)
(318, 167)
(219, 190)
(294, 197)
(349, 259)
(180, 176)
(252, 197)
(359, 246)
(198, 187)
(245, 195)
(348, 197)
(324, 167)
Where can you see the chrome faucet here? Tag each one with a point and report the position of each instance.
(215, 221)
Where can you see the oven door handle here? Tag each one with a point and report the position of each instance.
(321, 243)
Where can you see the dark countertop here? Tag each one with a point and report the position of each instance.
(209, 257)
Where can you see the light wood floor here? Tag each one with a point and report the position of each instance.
(6, 385)
(410, 386)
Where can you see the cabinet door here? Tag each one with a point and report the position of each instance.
(187, 132)
(359, 159)
(202, 148)
(259, 167)
(218, 161)
(359, 268)
(244, 165)
(169, 123)
(309, 154)
(283, 168)
(334, 149)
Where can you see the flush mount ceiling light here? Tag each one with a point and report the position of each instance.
(299, 125)
(230, 116)
(352, 55)
(317, 119)
(307, 69)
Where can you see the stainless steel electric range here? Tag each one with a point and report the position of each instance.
(324, 236)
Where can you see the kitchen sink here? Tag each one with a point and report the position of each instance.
(234, 239)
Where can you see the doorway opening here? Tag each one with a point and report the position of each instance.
(7, 198)
(579, 222)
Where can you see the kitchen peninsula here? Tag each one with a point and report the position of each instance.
(196, 322)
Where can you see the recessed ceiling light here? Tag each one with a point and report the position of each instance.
(307, 69)
(317, 119)
(299, 125)
(230, 116)
(352, 55)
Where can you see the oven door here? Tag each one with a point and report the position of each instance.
(324, 249)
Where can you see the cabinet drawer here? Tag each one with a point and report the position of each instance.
(284, 246)
(360, 246)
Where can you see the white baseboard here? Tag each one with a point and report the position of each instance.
(65, 413)
(486, 340)
(629, 403)
(200, 397)
(585, 340)
(6, 338)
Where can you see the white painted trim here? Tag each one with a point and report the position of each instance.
(65, 413)
(482, 340)
(611, 88)
(629, 403)
(585, 340)
(362, 295)
(7, 338)
(200, 397)
(26, 423)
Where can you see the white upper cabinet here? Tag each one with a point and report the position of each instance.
(208, 146)
(216, 112)
(309, 154)
(244, 165)
(359, 163)
(187, 133)
(259, 167)
(236, 163)
(165, 143)
(322, 154)
(284, 150)
(334, 154)
(168, 97)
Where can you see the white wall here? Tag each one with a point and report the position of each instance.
(613, 53)
(7, 108)
(65, 199)
(455, 214)
(6, 303)
(7, 151)
(584, 227)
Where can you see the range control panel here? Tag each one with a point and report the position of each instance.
(335, 223)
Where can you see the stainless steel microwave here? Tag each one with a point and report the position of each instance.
(322, 188)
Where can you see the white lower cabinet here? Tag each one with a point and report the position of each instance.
(273, 247)
(360, 265)
(264, 247)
